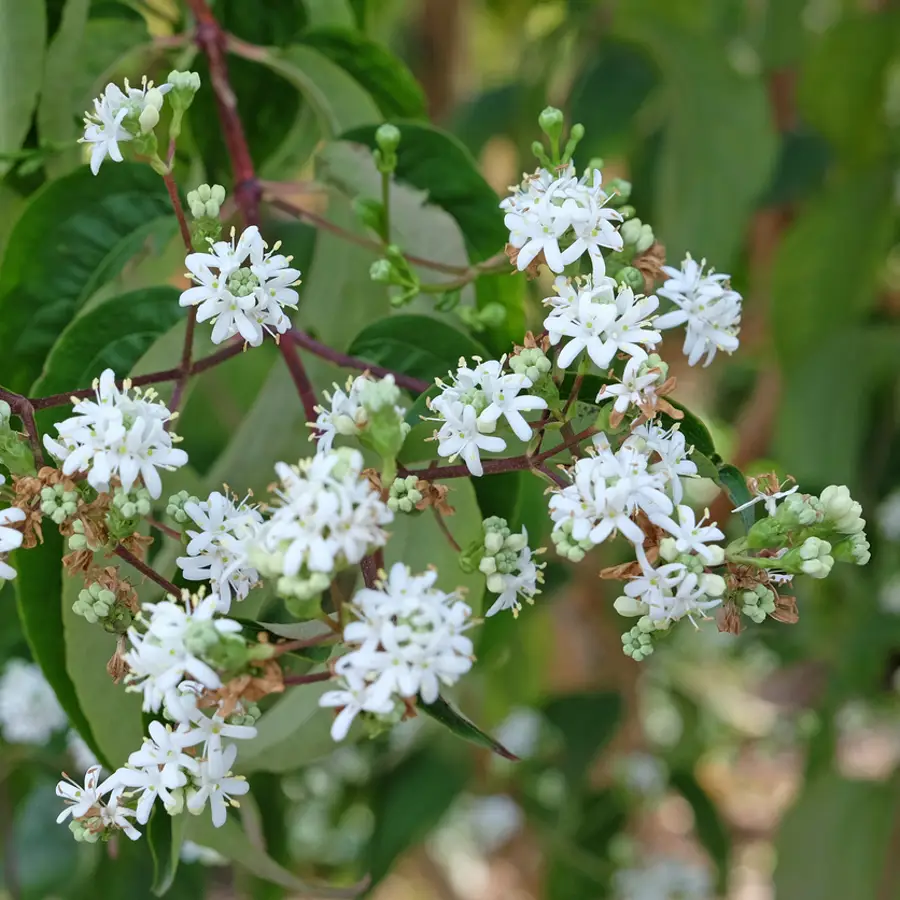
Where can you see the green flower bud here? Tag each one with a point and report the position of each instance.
(618, 189)
(629, 276)
(184, 83)
(566, 546)
(493, 542)
(712, 585)
(630, 606)
(175, 506)
(667, 549)
(488, 565)
(551, 122)
(387, 137)
(637, 644)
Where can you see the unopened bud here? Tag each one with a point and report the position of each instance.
(149, 118)
(629, 276)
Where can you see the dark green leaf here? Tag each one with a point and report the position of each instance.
(732, 479)
(843, 85)
(379, 71)
(408, 802)
(39, 587)
(587, 722)
(165, 835)
(708, 824)
(444, 712)
(825, 274)
(113, 335)
(420, 346)
(436, 162)
(695, 432)
(23, 28)
(67, 232)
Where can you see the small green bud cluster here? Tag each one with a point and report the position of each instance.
(812, 558)
(206, 201)
(404, 495)
(637, 642)
(552, 123)
(88, 830)
(637, 235)
(78, 540)
(15, 453)
(387, 137)
(394, 270)
(618, 189)
(126, 509)
(226, 652)
(248, 715)
(491, 315)
(501, 552)
(566, 545)
(715, 557)
(758, 603)
(175, 506)
(99, 604)
(57, 503)
(531, 362)
(303, 586)
(184, 86)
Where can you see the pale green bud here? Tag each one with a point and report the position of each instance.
(551, 122)
(631, 230)
(488, 565)
(629, 606)
(667, 549)
(715, 555)
(495, 583)
(184, 83)
(516, 542)
(5, 413)
(629, 276)
(387, 137)
(712, 585)
(637, 644)
(148, 119)
(493, 542)
(175, 506)
(836, 501)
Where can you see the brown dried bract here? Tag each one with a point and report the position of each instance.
(434, 495)
(786, 609)
(249, 688)
(650, 264)
(109, 578)
(730, 619)
(533, 269)
(373, 476)
(137, 544)
(530, 342)
(653, 534)
(28, 498)
(117, 668)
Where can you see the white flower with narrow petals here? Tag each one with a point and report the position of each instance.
(522, 584)
(118, 434)
(769, 500)
(115, 816)
(459, 436)
(691, 536)
(507, 401)
(214, 785)
(210, 731)
(10, 538)
(635, 389)
(709, 309)
(79, 799)
(149, 783)
(218, 552)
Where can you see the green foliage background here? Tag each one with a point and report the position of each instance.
(763, 136)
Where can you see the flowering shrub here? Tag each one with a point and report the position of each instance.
(584, 405)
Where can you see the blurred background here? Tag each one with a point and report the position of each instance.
(762, 135)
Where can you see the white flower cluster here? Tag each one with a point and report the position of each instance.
(219, 551)
(330, 517)
(120, 434)
(10, 538)
(509, 566)
(409, 640)
(599, 318)
(706, 306)
(241, 288)
(350, 409)
(470, 407)
(29, 710)
(171, 662)
(121, 116)
(563, 217)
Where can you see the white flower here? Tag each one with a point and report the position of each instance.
(552, 209)
(29, 710)
(329, 517)
(210, 730)
(118, 817)
(150, 782)
(218, 551)
(770, 501)
(121, 433)
(214, 784)
(10, 538)
(690, 535)
(522, 582)
(673, 462)
(710, 310)
(602, 324)
(80, 799)
(635, 389)
(164, 749)
(669, 593)
(410, 638)
(119, 116)
(505, 400)
(241, 288)
(459, 436)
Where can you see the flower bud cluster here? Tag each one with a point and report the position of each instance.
(58, 504)
(175, 506)
(508, 564)
(98, 604)
(404, 495)
(758, 603)
(206, 201)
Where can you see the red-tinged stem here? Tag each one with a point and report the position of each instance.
(145, 570)
(439, 516)
(369, 570)
(291, 680)
(159, 526)
(289, 646)
(555, 477)
(301, 379)
(302, 339)
(183, 226)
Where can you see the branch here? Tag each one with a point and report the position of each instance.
(306, 679)
(442, 524)
(24, 409)
(301, 379)
(145, 570)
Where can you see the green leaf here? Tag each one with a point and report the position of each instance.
(849, 862)
(55, 119)
(323, 13)
(709, 175)
(587, 722)
(22, 36)
(419, 542)
(843, 84)
(295, 732)
(732, 479)
(165, 835)
(444, 712)
(392, 86)
(708, 824)
(399, 343)
(408, 802)
(114, 714)
(39, 588)
(65, 235)
(338, 99)
(113, 335)
(825, 274)
(233, 843)
(436, 162)
(695, 432)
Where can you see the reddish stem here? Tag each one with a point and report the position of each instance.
(144, 569)
(298, 644)
(447, 533)
(307, 679)
(301, 379)
(159, 526)
(369, 568)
